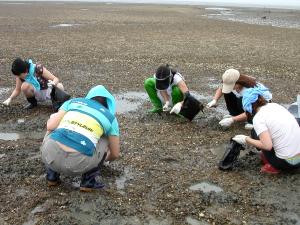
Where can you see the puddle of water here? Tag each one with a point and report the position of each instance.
(121, 180)
(9, 136)
(130, 101)
(218, 9)
(205, 187)
(192, 221)
(65, 25)
(15, 136)
(84, 9)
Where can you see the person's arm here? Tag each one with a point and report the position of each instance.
(240, 118)
(264, 142)
(182, 86)
(54, 120)
(113, 148)
(16, 92)
(218, 94)
(165, 95)
(49, 76)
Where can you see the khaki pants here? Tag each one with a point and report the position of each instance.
(71, 163)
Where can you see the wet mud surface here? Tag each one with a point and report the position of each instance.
(167, 173)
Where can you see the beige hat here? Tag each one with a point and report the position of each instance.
(229, 78)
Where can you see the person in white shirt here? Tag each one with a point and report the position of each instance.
(277, 130)
(233, 86)
(166, 88)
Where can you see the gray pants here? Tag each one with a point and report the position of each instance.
(71, 163)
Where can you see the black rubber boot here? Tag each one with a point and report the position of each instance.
(52, 177)
(88, 181)
(32, 103)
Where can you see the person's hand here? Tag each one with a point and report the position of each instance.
(241, 139)
(167, 106)
(212, 103)
(7, 102)
(227, 122)
(176, 108)
(51, 83)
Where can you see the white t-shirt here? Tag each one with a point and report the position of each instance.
(283, 128)
(176, 79)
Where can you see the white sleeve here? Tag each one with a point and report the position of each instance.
(177, 78)
(259, 124)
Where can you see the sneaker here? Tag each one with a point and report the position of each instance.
(52, 178)
(269, 169)
(249, 126)
(88, 181)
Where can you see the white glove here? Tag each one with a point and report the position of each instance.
(7, 102)
(176, 108)
(249, 126)
(211, 103)
(167, 106)
(227, 122)
(241, 139)
(51, 84)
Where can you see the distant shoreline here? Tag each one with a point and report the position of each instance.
(167, 2)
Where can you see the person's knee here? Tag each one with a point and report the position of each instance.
(27, 89)
(150, 82)
(60, 86)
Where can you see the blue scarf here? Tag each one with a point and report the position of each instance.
(251, 95)
(31, 78)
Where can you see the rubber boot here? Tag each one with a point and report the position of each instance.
(88, 181)
(52, 177)
(269, 169)
(32, 103)
(177, 95)
(149, 86)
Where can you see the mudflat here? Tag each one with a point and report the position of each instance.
(167, 173)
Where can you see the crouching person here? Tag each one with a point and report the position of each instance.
(276, 132)
(166, 88)
(34, 80)
(81, 135)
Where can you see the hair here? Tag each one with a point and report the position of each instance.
(261, 101)
(19, 66)
(163, 71)
(246, 81)
(100, 100)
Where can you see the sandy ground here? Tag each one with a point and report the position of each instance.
(162, 156)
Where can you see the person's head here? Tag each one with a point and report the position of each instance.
(253, 99)
(163, 77)
(233, 80)
(101, 94)
(20, 68)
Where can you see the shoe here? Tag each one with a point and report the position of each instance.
(249, 126)
(88, 181)
(155, 110)
(52, 178)
(32, 103)
(263, 158)
(269, 169)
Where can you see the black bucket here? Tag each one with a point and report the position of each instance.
(190, 107)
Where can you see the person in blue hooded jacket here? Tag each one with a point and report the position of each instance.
(34, 80)
(80, 137)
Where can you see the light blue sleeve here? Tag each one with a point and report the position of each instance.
(65, 106)
(267, 94)
(114, 130)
